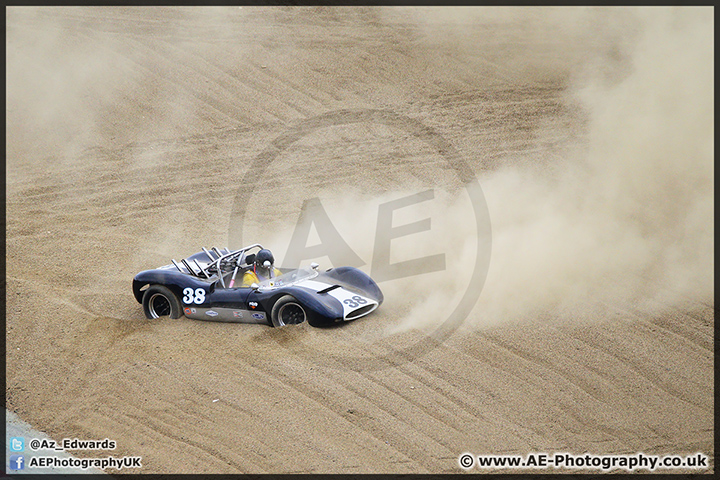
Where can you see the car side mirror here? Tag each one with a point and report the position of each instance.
(314, 265)
(254, 286)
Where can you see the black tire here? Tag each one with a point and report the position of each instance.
(159, 301)
(287, 311)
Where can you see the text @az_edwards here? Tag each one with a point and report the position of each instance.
(71, 444)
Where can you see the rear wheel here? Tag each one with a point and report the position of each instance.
(287, 311)
(159, 301)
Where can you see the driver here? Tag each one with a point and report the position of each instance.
(263, 268)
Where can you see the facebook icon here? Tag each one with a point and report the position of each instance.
(17, 462)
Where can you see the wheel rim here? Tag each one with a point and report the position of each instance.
(159, 306)
(291, 314)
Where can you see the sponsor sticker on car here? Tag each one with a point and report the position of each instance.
(211, 313)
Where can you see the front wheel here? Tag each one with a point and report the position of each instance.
(287, 311)
(159, 301)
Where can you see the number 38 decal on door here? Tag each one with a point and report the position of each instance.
(194, 296)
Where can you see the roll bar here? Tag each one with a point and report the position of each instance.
(216, 260)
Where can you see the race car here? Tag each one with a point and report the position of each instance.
(202, 287)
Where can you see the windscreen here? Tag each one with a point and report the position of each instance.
(289, 278)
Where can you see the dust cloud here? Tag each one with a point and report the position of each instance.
(627, 219)
(623, 219)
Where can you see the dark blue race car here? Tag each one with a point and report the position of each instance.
(202, 287)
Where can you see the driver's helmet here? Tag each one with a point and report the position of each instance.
(264, 262)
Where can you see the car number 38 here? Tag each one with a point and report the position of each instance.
(196, 296)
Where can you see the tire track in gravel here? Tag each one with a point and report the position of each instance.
(693, 339)
(158, 422)
(474, 411)
(225, 80)
(644, 373)
(550, 390)
(352, 388)
(531, 369)
(340, 411)
(699, 337)
(375, 428)
(458, 412)
(204, 453)
(276, 76)
(260, 371)
(175, 74)
(699, 331)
